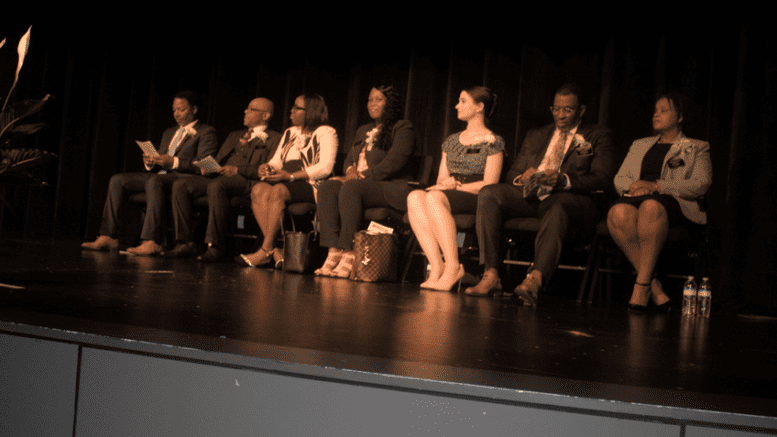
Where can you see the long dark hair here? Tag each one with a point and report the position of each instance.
(316, 112)
(391, 113)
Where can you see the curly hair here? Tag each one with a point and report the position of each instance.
(391, 114)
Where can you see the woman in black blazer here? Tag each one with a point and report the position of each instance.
(377, 169)
(660, 181)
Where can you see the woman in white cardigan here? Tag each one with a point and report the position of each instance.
(304, 158)
(660, 182)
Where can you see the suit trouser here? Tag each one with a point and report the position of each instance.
(220, 191)
(340, 209)
(122, 186)
(558, 213)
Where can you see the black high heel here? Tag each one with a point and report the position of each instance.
(636, 308)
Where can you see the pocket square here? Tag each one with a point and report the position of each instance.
(584, 152)
(584, 147)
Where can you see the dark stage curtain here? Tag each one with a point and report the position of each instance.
(117, 87)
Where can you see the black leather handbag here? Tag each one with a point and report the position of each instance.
(296, 250)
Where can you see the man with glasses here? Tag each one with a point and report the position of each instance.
(239, 158)
(557, 168)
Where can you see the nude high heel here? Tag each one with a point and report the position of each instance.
(439, 285)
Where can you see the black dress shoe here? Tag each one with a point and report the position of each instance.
(211, 256)
(638, 309)
(182, 250)
(664, 308)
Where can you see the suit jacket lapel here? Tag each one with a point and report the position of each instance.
(582, 131)
(675, 149)
(255, 145)
(230, 146)
(186, 139)
(164, 146)
(677, 146)
(542, 151)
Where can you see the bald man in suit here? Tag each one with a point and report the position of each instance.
(240, 157)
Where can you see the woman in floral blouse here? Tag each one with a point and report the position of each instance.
(471, 159)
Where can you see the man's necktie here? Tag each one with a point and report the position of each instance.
(554, 163)
(174, 144)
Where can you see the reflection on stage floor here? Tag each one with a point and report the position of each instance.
(725, 362)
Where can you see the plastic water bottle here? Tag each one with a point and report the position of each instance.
(689, 297)
(705, 298)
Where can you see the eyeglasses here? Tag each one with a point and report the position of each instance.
(297, 108)
(255, 110)
(565, 109)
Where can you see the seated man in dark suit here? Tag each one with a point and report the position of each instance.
(240, 157)
(189, 141)
(556, 170)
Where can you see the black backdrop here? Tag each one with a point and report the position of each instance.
(113, 85)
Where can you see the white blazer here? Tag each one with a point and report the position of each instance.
(686, 183)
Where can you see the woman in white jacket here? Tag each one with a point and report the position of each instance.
(660, 182)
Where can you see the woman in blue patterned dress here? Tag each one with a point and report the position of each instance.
(471, 159)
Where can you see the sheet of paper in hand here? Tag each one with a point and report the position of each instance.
(208, 164)
(531, 186)
(147, 147)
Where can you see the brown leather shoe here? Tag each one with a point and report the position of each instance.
(103, 243)
(530, 288)
(486, 284)
(147, 248)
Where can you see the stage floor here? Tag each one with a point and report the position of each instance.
(725, 363)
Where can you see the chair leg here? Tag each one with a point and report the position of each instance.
(588, 267)
(608, 287)
(412, 246)
(596, 274)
